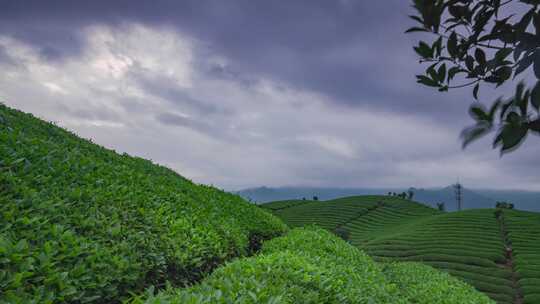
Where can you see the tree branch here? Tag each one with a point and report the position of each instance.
(466, 84)
(474, 43)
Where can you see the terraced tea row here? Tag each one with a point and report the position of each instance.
(277, 205)
(327, 214)
(467, 244)
(391, 218)
(524, 234)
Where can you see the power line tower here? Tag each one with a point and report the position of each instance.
(458, 191)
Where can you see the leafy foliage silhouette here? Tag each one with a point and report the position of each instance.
(472, 46)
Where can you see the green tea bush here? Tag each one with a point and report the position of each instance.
(83, 224)
(420, 283)
(343, 258)
(311, 265)
(306, 266)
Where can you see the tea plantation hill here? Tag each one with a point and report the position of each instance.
(82, 224)
(496, 251)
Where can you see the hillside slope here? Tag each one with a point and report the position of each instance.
(496, 254)
(82, 224)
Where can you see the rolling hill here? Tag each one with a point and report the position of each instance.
(495, 251)
(82, 224)
(472, 198)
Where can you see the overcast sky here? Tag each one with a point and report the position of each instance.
(249, 93)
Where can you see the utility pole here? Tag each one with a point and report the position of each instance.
(458, 188)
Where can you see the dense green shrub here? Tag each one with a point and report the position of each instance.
(80, 223)
(311, 265)
(325, 248)
(420, 283)
(306, 266)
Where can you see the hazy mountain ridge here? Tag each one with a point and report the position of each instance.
(472, 198)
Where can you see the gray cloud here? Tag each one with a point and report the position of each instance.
(5, 58)
(166, 88)
(171, 119)
(257, 92)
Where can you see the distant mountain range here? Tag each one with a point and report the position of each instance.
(472, 198)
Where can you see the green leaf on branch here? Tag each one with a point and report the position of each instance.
(437, 47)
(470, 134)
(424, 50)
(475, 91)
(519, 93)
(510, 137)
(441, 73)
(518, 50)
(536, 23)
(478, 112)
(535, 96)
(501, 54)
(480, 56)
(535, 125)
(469, 62)
(536, 66)
(522, 25)
(452, 45)
(504, 108)
(416, 18)
(426, 81)
(416, 29)
(432, 73)
(503, 74)
(513, 118)
(523, 64)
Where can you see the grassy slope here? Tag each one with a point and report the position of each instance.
(467, 244)
(80, 223)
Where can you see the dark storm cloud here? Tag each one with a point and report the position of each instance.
(352, 53)
(340, 48)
